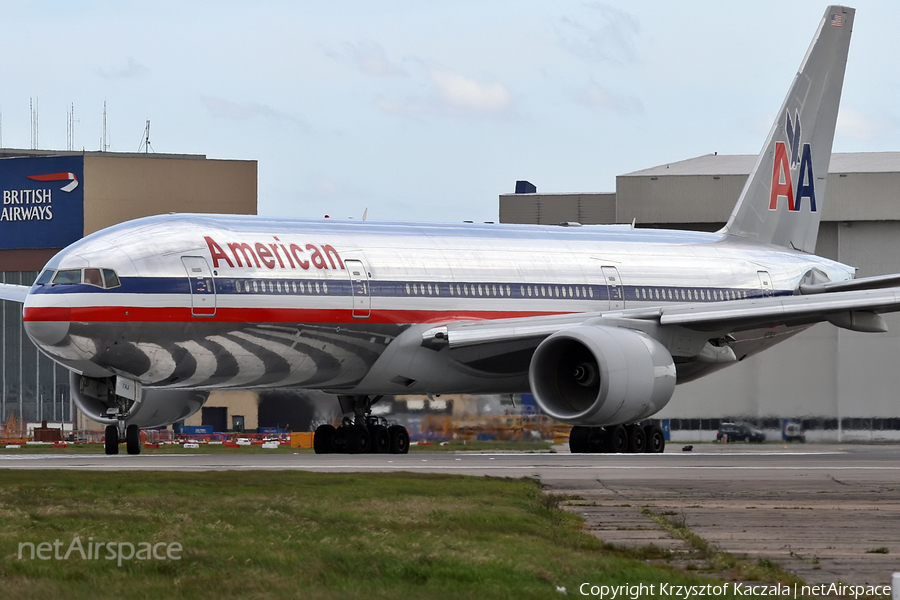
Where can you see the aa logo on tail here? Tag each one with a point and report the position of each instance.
(787, 157)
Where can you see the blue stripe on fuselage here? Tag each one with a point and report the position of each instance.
(413, 289)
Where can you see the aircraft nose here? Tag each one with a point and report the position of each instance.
(47, 333)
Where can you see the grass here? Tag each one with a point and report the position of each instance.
(454, 446)
(306, 535)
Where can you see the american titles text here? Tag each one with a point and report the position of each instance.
(270, 255)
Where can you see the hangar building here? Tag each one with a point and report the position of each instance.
(832, 379)
(51, 199)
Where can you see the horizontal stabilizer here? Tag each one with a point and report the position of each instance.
(864, 283)
(13, 293)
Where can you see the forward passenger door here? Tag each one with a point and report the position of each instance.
(203, 287)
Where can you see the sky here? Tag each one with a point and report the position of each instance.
(427, 111)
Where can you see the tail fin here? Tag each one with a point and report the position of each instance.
(782, 199)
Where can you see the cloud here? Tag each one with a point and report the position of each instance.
(370, 58)
(853, 124)
(470, 95)
(326, 186)
(225, 109)
(600, 97)
(132, 70)
(454, 95)
(606, 34)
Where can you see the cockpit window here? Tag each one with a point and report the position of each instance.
(101, 278)
(92, 277)
(67, 276)
(112, 280)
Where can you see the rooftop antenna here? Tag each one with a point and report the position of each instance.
(104, 141)
(145, 140)
(35, 138)
(70, 128)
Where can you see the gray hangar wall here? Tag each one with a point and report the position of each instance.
(824, 374)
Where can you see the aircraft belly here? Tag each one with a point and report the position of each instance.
(228, 355)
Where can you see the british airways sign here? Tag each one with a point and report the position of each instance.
(787, 158)
(43, 201)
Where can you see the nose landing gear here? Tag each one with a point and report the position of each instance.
(130, 434)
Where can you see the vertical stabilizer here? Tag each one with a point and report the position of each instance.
(782, 200)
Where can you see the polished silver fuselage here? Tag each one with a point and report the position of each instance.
(248, 302)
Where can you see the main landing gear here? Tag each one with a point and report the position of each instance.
(364, 434)
(131, 435)
(631, 438)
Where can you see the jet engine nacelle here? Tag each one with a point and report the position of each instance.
(601, 375)
(157, 408)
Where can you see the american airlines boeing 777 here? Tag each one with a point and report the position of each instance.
(598, 322)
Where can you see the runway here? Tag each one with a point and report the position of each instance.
(818, 510)
(549, 467)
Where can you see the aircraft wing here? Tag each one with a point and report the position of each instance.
(857, 310)
(13, 293)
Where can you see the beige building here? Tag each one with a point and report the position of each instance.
(238, 410)
(51, 199)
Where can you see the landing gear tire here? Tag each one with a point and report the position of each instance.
(358, 440)
(656, 440)
(637, 439)
(339, 442)
(579, 439)
(616, 439)
(399, 439)
(381, 439)
(133, 439)
(323, 439)
(111, 440)
(597, 440)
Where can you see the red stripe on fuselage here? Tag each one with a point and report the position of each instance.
(122, 314)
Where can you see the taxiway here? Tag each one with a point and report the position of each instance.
(827, 512)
